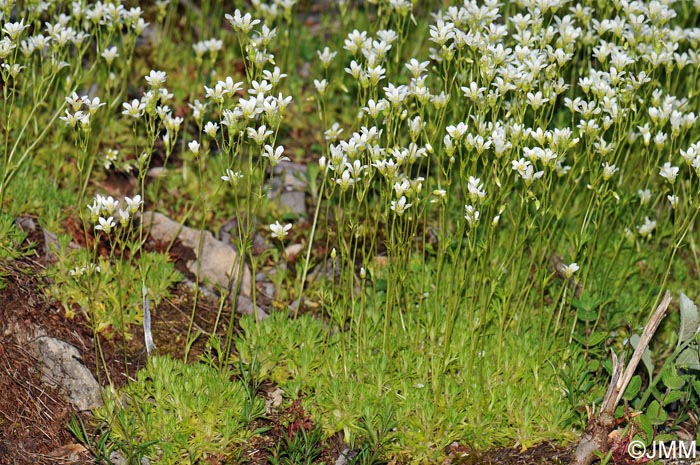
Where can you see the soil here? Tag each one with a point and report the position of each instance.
(34, 416)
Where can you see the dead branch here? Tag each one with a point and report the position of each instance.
(595, 436)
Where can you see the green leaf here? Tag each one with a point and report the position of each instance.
(690, 319)
(596, 338)
(689, 359)
(673, 396)
(587, 315)
(671, 379)
(646, 356)
(666, 437)
(586, 308)
(645, 426)
(656, 413)
(633, 388)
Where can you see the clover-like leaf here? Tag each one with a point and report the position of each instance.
(689, 359)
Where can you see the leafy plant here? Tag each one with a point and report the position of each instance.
(180, 413)
(301, 444)
(674, 385)
(108, 291)
(11, 238)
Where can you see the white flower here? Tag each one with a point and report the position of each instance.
(72, 120)
(194, 147)
(333, 132)
(690, 154)
(230, 86)
(198, 109)
(172, 124)
(217, 93)
(107, 204)
(74, 101)
(609, 170)
(280, 231)
(472, 215)
(476, 188)
(673, 199)
(105, 225)
(345, 181)
(133, 109)
(646, 229)
(326, 56)
(242, 23)
(439, 195)
(156, 78)
(417, 68)
(95, 210)
(133, 204)
(400, 206)
(644, 196)
(569, 270)
(13, 30)
(274, 76)
(124, 217)
(274, 154)
(457, 132)
(669, 172)
(232, 177)
(260, 88)
(210, 129)
(526, 170)
(259, 135)
(93, 104)
(321, 85)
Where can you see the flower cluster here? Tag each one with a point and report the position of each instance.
(104, 210)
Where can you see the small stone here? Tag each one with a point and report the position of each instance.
(245, 306)
(157, 172)
(70, 453)
(289, 184)
(61, 366)
(293, 250)
(293, 202)
(218, 259)
(26, 224)
(274, 400)
(345, 456)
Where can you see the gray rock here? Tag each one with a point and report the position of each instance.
(245, 306)
(289, 184)
(61, 366)
(293, 202)
(26, 224)
(345, 456)
(218, 259)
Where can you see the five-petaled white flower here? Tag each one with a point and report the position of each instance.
(274, 154)
(400, 206)
(194, 147)
(279, 231)
(669, 172)
(105, 225)
(646, 229)
(609, 170)
(232, 177)
(110, 54)
(156, 78)
(133, 204)
(569, 270)
(133, 109)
